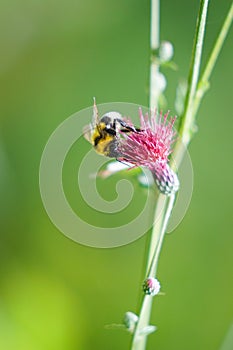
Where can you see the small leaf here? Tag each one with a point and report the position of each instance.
(148, 330)
(180, 96)
(130, 321)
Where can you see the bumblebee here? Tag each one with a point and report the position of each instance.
(104, 134)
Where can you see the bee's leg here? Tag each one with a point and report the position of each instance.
(123, 161)
(127, 127)
(130, 130)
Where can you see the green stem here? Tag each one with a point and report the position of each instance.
(139, 342)
(187, 118)
(162, 215)
(154, 65)
(187, 125)
(169, 202)
(161, 220)
(203, 84)
(194, 95)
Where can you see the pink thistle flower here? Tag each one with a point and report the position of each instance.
(151, 148)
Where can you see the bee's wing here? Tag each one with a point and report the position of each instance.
(95, 117)
(87, 132)
(88, 129)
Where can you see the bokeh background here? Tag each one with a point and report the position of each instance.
(55, 293)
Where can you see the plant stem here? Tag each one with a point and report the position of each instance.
(187, 120)
(203, 84)
(161, 220)
(187, 125)
(139, 342)
(169, 202)
(194, 95)
(154, 44)
(162, 215)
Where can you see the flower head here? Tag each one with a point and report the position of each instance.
(151, 147)
(151, 286)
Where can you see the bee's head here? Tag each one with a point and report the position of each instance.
(110, 117)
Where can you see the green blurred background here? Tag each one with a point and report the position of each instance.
(55, 293)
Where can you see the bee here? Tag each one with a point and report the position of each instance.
(104, 133)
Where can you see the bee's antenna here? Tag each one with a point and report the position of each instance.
(95, 112)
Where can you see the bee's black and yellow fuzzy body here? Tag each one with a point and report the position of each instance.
(104, 133)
